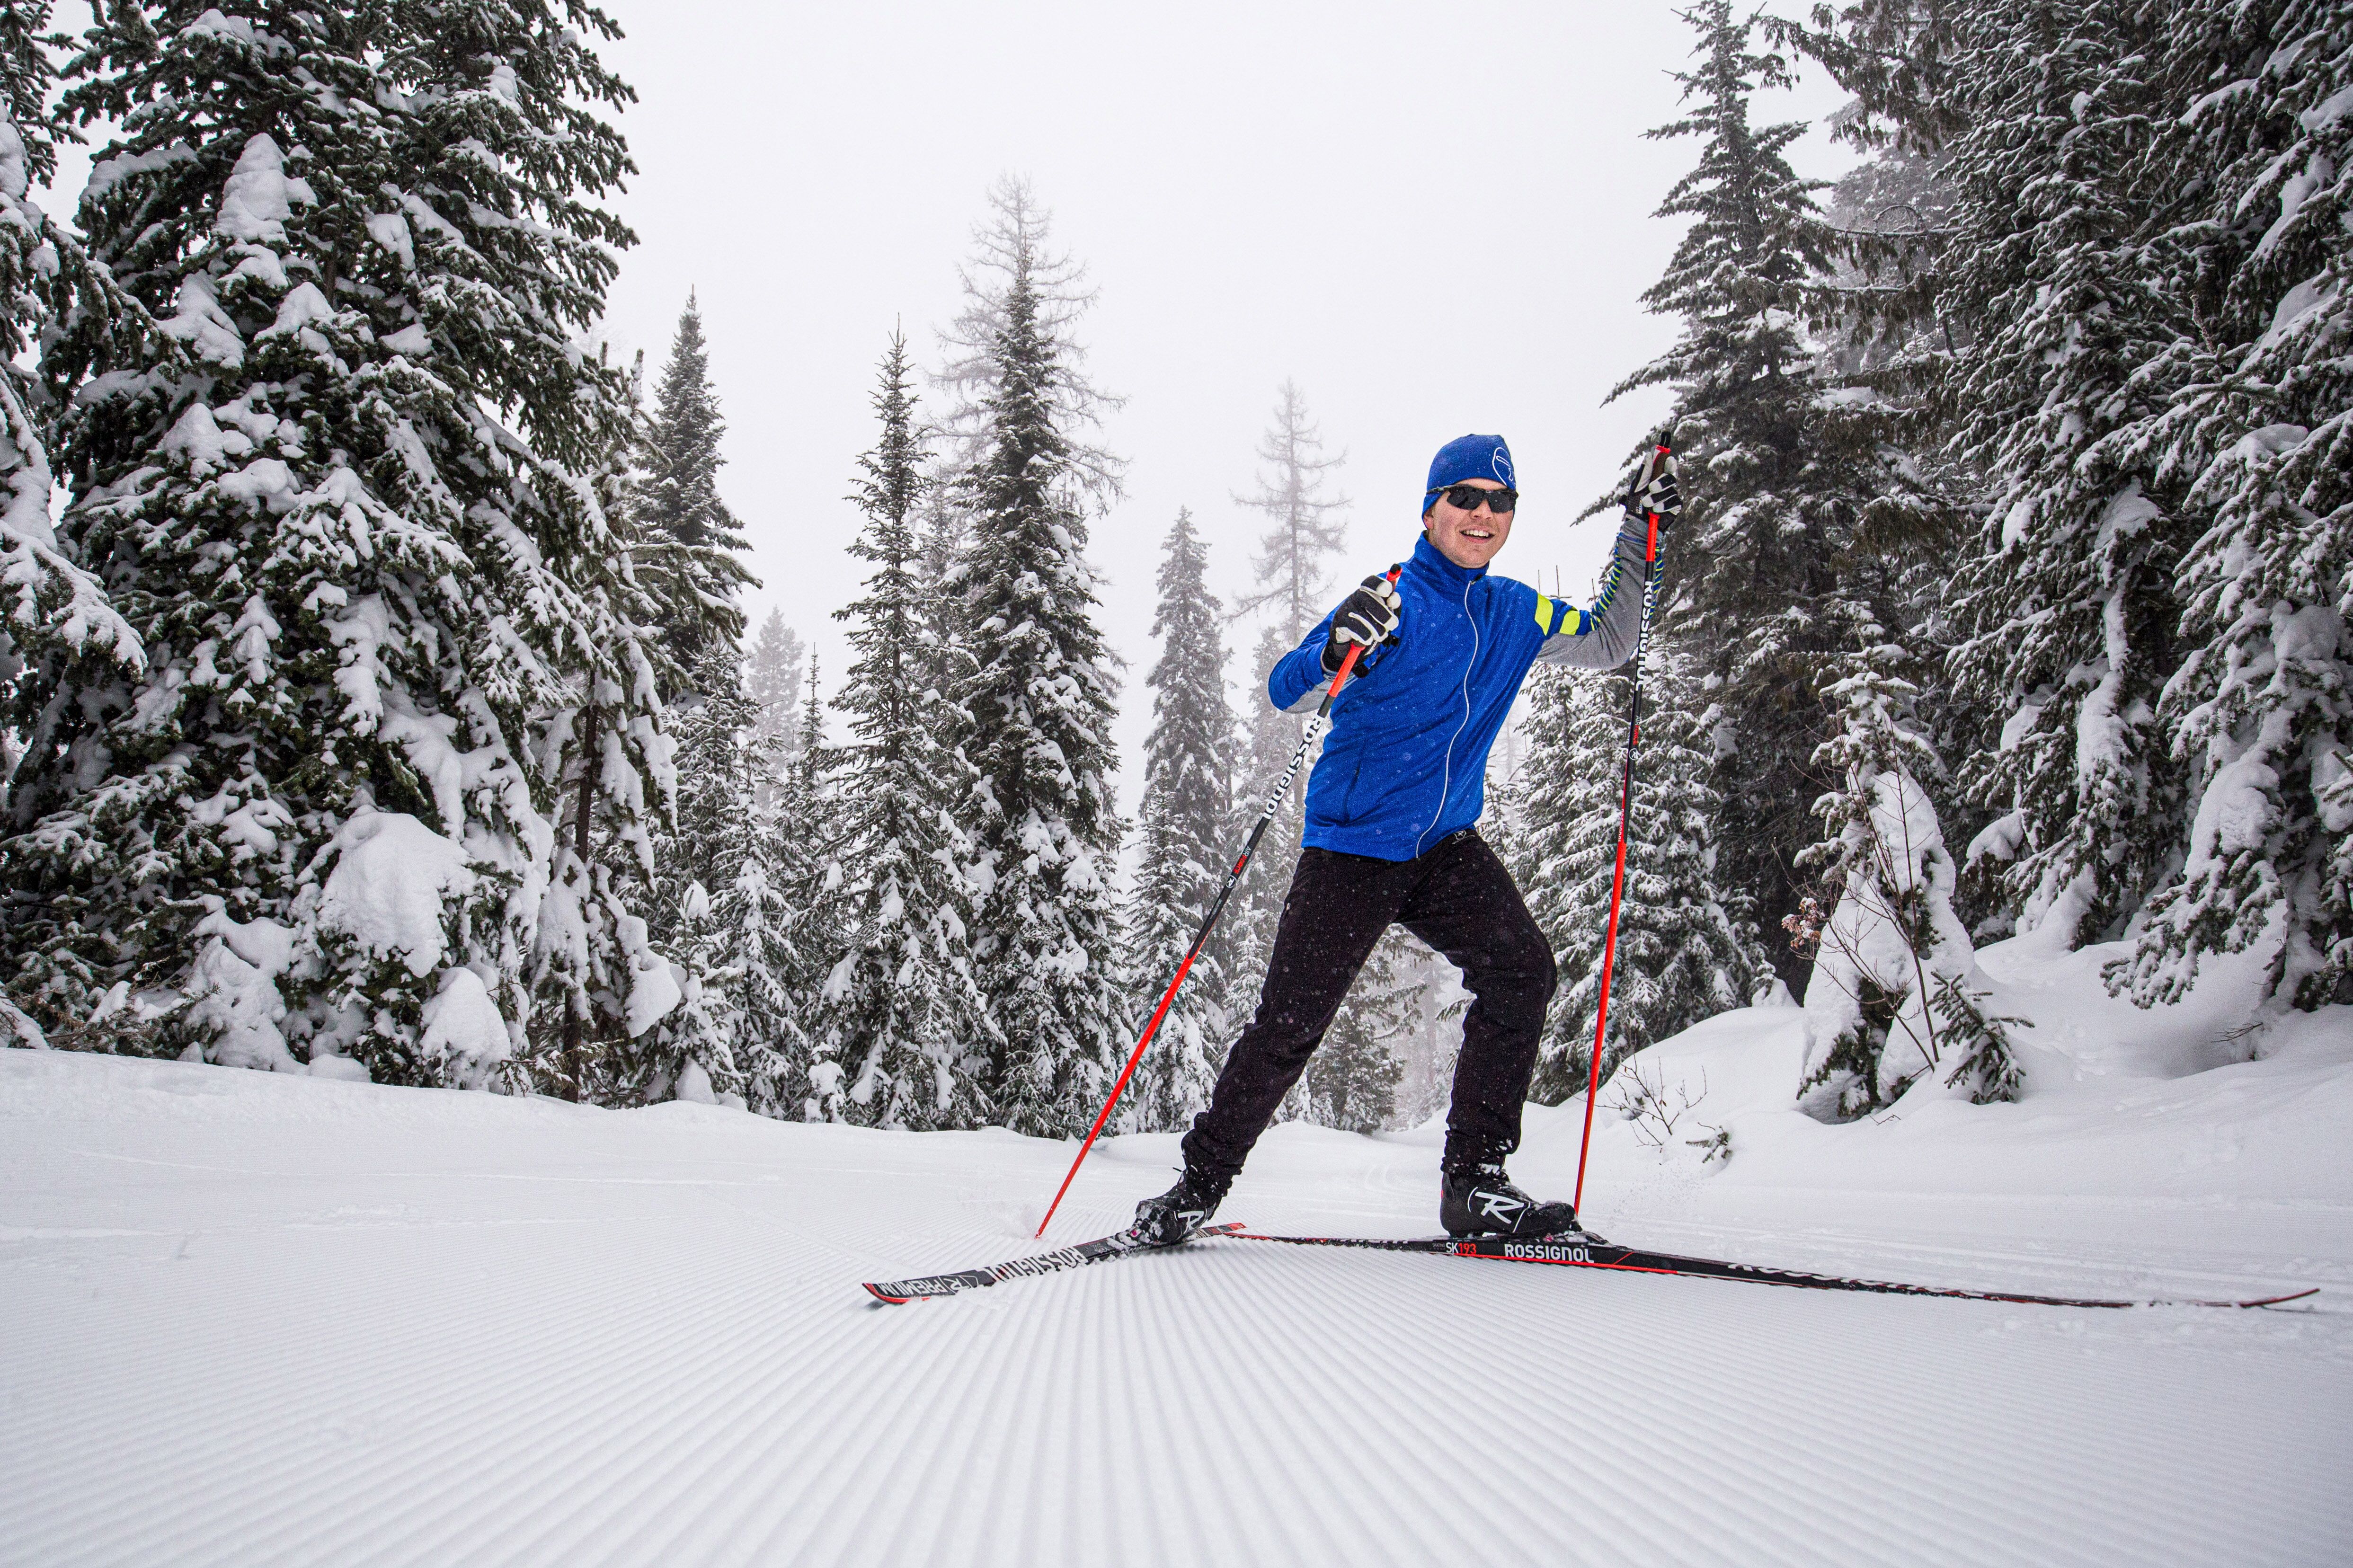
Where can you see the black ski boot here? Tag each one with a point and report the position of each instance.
(1480, 1200)
(1180, 1213)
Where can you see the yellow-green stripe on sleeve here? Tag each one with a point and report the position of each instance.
(1555, 618)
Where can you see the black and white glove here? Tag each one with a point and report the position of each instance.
(1367, 617)
(1653, 491)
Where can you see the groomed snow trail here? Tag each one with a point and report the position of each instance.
(259, 1320)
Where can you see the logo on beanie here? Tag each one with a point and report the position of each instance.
(1502, 463)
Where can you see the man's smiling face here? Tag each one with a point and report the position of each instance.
(1468, 539)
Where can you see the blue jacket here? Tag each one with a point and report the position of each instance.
(1406, 761)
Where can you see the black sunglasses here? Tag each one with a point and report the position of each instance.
(1468, 497)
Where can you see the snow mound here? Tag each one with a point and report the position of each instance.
(462, 1022)
(347, 1069)
(2080, 1032)
(392, 882)
(234, 986)
(255, 204)
(2120, 1105)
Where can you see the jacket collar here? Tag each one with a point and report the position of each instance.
(1432, 567)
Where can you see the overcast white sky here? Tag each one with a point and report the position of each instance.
(1434, 218)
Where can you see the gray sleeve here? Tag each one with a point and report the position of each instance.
(1603, 637)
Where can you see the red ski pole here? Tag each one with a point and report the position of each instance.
(1216, 908)
(1625, 811)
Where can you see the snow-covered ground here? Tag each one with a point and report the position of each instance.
(255, 1319)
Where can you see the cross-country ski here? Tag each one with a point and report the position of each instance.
(1124, 1244)
(1581, 1251)
(695, 697)
(1571, 1249)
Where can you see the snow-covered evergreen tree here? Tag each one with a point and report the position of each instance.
(1433, 1041)
(689, 552)
(942, 537)
(816, 888)
(53, 615)
(718, 906)
(1894, 351)
(606, 737)
(698, 897)
(1782, 487)
(1884, 363)
(2143, 357)
(2259, 124)
(50, 610)
(2069, 601)
(1352, 1081)
(1901, 60)
(1679, 959)
(772, 678)
(1895, 994)
(28, 78)
(904, 1039)
(320, 819)
(1184, 823)
(1036, 698)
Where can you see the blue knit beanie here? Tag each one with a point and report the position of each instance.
(1468, 457)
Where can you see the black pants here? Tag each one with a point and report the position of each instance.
(1456, 898)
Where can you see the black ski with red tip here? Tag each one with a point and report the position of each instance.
(899, 1291)
(1592, 1252)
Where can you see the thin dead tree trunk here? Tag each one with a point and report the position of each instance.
(576, 1017)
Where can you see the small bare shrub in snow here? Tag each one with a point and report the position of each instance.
(1643, 1098)
(1715, 1148)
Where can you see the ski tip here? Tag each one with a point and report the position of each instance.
(880, 1294)
(2277, 1301)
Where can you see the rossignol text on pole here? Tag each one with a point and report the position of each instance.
(1217, 906)
(1625, 809)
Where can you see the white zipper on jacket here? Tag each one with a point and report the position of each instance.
(1446, 777)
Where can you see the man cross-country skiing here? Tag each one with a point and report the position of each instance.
(1391, 836)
